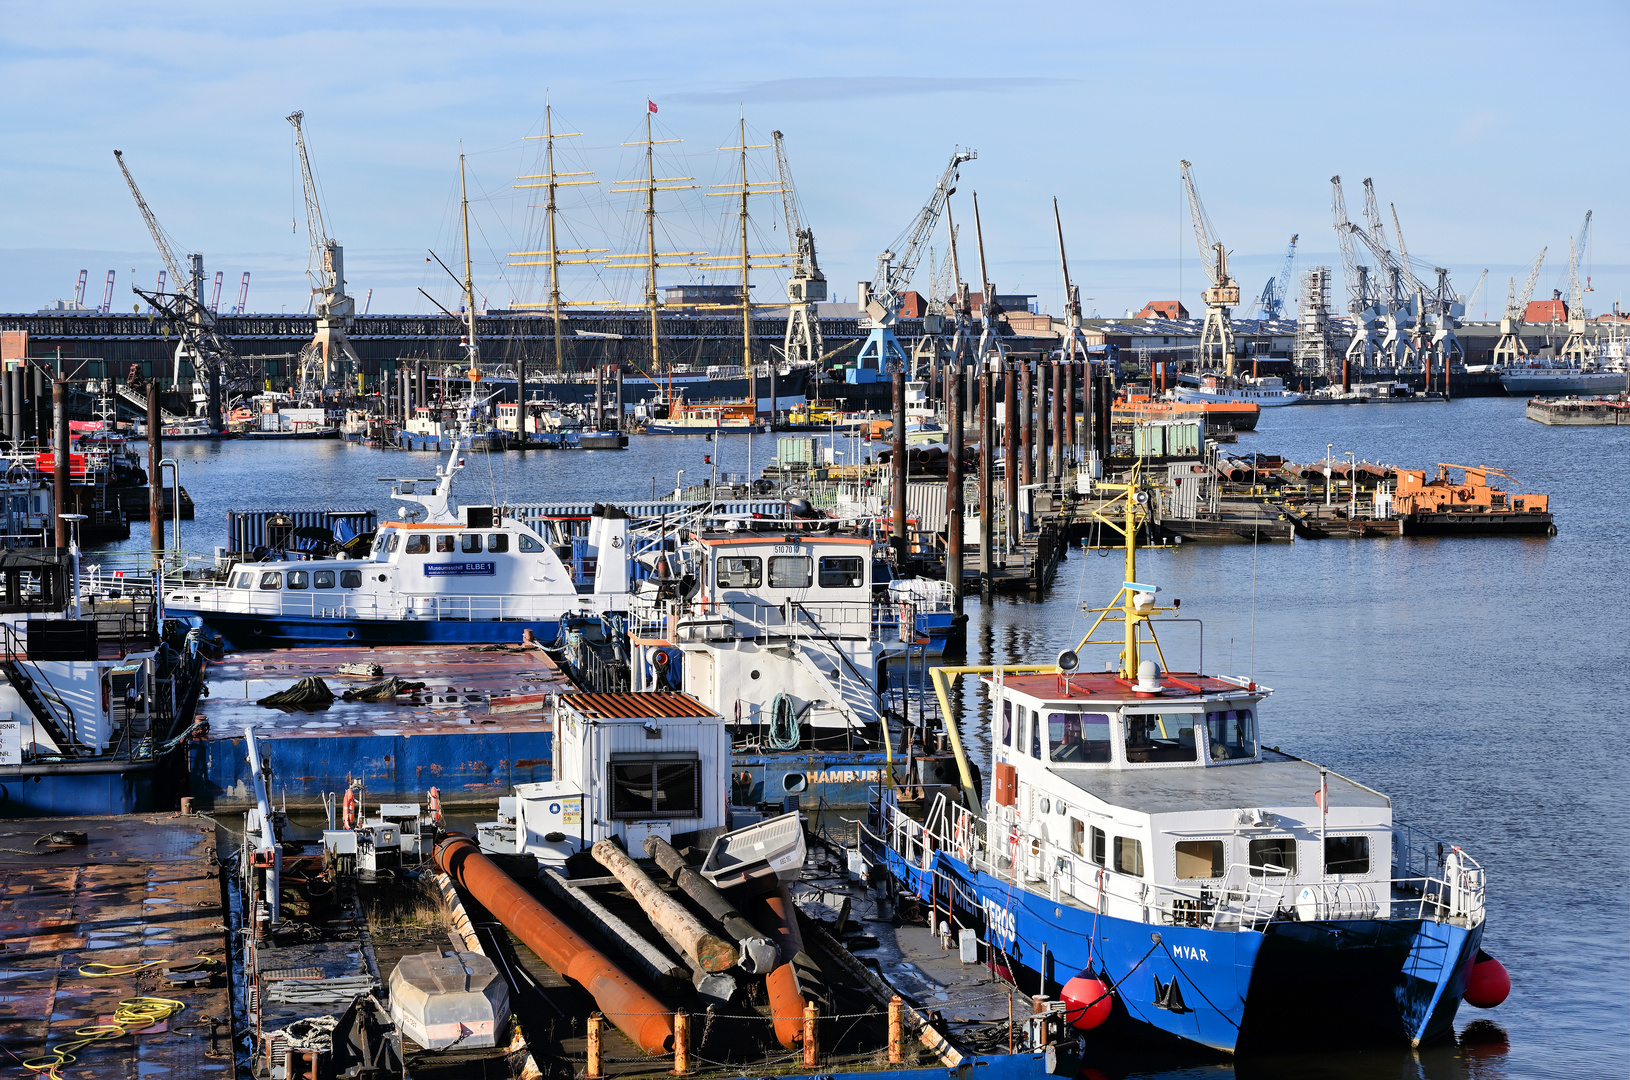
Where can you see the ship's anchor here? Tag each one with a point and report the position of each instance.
(1168, 996)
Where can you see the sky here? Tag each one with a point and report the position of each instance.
(1491, 127)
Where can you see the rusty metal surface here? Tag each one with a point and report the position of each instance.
(618, 706)
(144, 888)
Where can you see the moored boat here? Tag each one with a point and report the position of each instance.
(1268, 392)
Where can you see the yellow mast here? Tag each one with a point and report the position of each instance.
(651, 242)
(552, 182)
(554, 248)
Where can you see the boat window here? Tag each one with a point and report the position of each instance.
(656, 785)
(444, 543)
(246, 581)
(1231, 734)
(745, 572)
(1078, 836)
(1161, 737)
(471, 543)
(350, 579)
(842, 572)
(271, 580)
(1098, 845)
(322, 579)
(1007, 723)
(417, 544)
(1273, 856)
(1078, 738)
(1035, 734)
(390, 542)
(299, 579)
(498, 542)
(1023, 727)
(791, 571)
(529, 544)
(1129, 856)
(1346, 854)
(1199, 859)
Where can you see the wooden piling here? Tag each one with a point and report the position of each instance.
(1026, 447)
(1044, 380)
(1010, 452)
(953, 491)
(899, 466)
(1069, 411)
(155, 487)
(987, 451)
(1062, 385)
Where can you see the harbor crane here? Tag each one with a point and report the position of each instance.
(991, 347)
(881, 298)
(215, 297)
(1477, 290)
(243, 295)
(79, 290)
(1363, 304)
(329, 360)
(1074, 345)
(1276, 293)
(1399, 314)
(107, 296)
(1510, 349)
(1435, 307)
(806, 285)
(1223, 295)
(1575, 348)
(210, 356)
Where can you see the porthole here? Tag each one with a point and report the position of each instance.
(350, 633)
(754, 674)
(381, 577)
(794, 783)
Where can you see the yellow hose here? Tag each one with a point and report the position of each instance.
(133, 1014)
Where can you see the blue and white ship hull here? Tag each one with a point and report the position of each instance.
(1392, 979)
(248, 631)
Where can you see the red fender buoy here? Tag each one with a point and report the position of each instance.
(1489, 982)
(1087, 1002)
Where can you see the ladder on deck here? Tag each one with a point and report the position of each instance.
(38, 703)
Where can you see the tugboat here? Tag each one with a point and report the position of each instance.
(1145, 856)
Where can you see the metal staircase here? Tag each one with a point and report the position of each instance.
(38, 703)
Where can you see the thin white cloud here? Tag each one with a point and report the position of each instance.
(860, 87)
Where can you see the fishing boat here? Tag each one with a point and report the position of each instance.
(1144, 855)
(1267, 392)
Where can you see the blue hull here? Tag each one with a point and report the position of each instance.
(295, 631)
(1376, 980)
(128, 792)
(843, 780)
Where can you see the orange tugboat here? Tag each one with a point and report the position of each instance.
(1471, 507)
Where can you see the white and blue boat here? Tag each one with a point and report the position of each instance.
(438, 574)
(1143, 856)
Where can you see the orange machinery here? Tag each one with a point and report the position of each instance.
(1473, 495)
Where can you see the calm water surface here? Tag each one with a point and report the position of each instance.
(1475, 681)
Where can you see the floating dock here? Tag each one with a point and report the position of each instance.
(478, 726)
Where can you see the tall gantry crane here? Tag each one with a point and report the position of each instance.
(107, 296)
(1576, 348)
(806, 285)
(1223, 295)
(328, 360)
(1435, 307)
(1275, 294)
(1362, 304)
(1510, 348)
(243, 296)
(198, 344)
(1074, 345)
(881, 298)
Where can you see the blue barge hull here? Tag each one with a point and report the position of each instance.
(297, 631)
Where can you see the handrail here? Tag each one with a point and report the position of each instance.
(15, 655)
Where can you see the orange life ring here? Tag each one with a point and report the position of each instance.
(350, 806)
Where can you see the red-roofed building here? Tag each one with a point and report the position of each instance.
(1544, 311)
(1163, 309)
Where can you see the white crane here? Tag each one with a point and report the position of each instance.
(1510, 348)
(1363, 304)
(197, 343)
(1223, 295)
(1271, 304)
(880, 299)
(806, 285)
(1435, 307)
(328, 360)
(1576, 348)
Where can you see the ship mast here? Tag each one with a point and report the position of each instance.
(651, 242)
(549, 213)
(746, 301)
(472, 349)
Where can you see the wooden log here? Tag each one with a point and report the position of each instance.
(710, 953)
(758, 954)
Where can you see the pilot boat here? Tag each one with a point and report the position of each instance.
(470, 575)
(1143, 856)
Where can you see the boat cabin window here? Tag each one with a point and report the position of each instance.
(299, 579)
(1035, 734)
(1023, 726)
(1078, 738)
(656, 785)
(1078, 835)
(388, 542)
(528, 544)
(444, 543)
(245, 581)
(418, 544)
(471, 543)
(350, 579)
(1098, 845)
(1231, 735)
(1129, 856)
(791, 571)
(322, 579)
(745, 572)
(842, 572)
(498, 542)
(1346, 854)
(1007, 723)
(1273, 856)
(1199, 859)
(271, 580)
(1154, 738)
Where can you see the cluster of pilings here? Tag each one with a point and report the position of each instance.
(1059, 412)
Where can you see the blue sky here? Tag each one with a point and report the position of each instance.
(1493, 127)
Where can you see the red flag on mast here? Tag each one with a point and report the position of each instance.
(649, 104)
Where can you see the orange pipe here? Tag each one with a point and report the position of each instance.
(786, 1003)
(644, 1019)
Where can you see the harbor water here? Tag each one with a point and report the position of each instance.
(1473, 680)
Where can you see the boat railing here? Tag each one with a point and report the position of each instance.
(342, 603)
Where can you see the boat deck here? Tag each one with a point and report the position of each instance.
(1278, 780)
(144, 890)
(478, 727)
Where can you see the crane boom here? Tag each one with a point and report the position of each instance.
(1576, 252)
(329, 359)
(243, 295)
(315, 226)
(789, 199)
(1528, 287)
(107, 295)
(1271, 304)
(896, 265)
(1203, 232)
(161, 240)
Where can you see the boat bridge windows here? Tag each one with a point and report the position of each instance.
(740, 572)
(1347, 855)
(842, 572)
(1161, 738)
(1231, 734)
(273, 580)
(1272, 856)
(1079, 738)
(1200, 859)
(1128, 856)
(791, 571)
